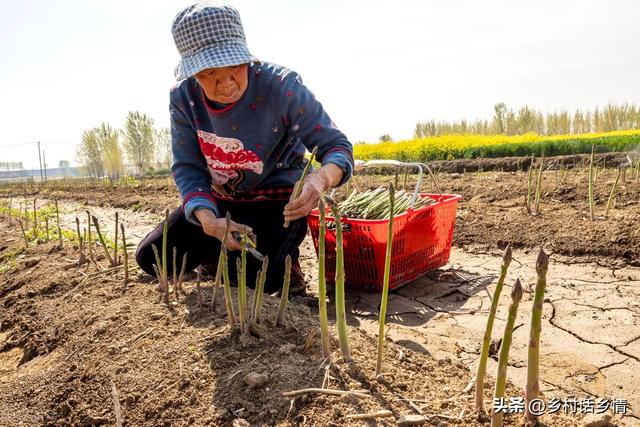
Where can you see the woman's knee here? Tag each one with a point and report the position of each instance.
(145, 257)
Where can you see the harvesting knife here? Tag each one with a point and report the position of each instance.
(250, 245)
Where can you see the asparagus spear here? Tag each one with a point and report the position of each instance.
(385, 286)
(322, 286)
(613, 193)
(341, 316)
(297, 188)
(533, 361)
(501, 379)
(225, 275)
(486, 342)
(284, 296)
(591, 185)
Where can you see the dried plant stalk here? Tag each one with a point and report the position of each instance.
(532, 390)
(104, 245)
(90, 239)
(35, 221)
(501, 378)
(385, 284)
(284, 296)
(27, 218)
(216, 282)
(591, 185)
(612, 196)
(115, 243)
(174, 274)
(46, 228)
(199, 298)
(24, 234)
(165, 231)
(58, 225)
(82, 259)
(125, 254)
(539, 187)
(486, 342)
(529, 186)
(180, 281)
(254, 304)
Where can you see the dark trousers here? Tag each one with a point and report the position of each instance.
(264, 217)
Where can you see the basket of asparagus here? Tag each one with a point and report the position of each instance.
(422, 232)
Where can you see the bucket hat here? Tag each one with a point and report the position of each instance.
(209, 35)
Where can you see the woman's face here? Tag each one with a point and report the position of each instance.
(224, 85)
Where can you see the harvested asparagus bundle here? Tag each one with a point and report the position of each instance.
(374, 204)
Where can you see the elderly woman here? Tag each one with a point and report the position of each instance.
(239, 130)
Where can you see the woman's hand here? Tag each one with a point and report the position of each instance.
(214, 226)
(315, 184)
(309, 196)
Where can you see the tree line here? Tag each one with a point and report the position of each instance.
(9, 166)
(103, 149)
(507, 121)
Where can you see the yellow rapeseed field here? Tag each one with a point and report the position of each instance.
(448, 147)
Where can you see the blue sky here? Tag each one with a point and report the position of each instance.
(377, 66)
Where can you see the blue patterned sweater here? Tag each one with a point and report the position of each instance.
(253, 148)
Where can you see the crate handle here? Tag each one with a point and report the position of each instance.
(359, 165)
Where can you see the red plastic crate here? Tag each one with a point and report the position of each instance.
(421, 242)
